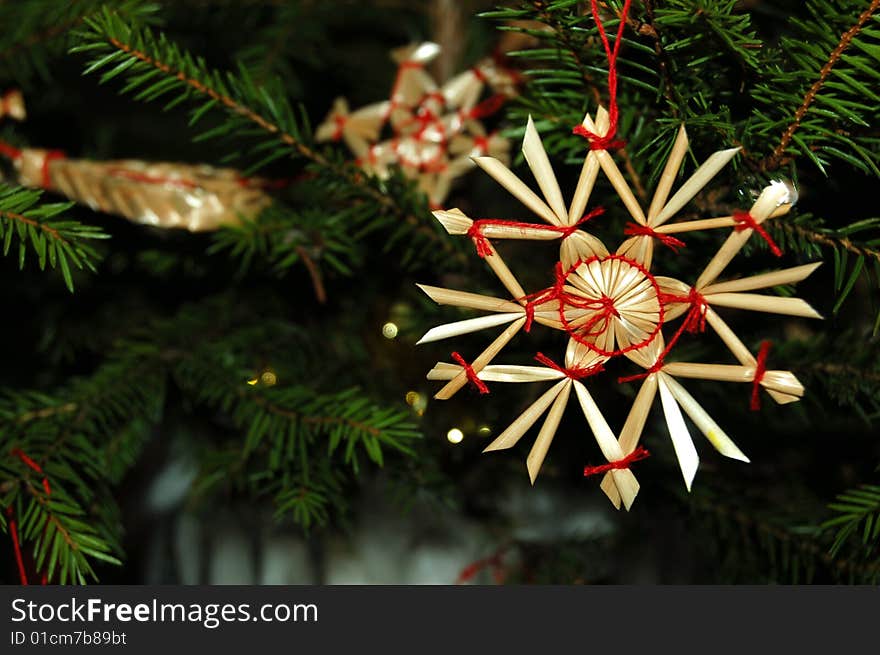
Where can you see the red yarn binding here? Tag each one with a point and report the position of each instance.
(488, 107)
(696, 316)
(340, 127)
(608, 141)
(484, 247)
(480, 75)
(638, 454)
(744, 220)
(760, 370)
(635, 229)
(48, 158)
(471, 374)
(573, 373)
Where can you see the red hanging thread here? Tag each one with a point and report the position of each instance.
(48, 158)
(661, 358)
(695, 320)
(484, 247)
(608, 141)
(638, 454)
(471, 374)
(635, 229)
(760, 370)
(745, 221)
(573, 373)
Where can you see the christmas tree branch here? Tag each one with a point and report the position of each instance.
(121, 48)
(829, 240)
(775, 159)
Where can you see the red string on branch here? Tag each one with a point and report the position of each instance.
(638, 454)
(573, 373)
(635, 229)
(31, 464)
(608, 141)
(745, 221)
(760, 371)
(16, 547)
(471, 374)
(484, 247)
(495, 561)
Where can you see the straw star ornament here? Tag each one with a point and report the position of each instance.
(612, 305)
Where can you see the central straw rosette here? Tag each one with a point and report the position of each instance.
(610, 304)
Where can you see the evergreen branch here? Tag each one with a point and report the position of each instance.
(775, 158)
(56, 242)
(856, 508)
(829, 239)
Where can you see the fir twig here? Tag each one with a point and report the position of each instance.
(776, 157)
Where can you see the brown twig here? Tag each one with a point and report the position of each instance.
(776, 157)
(649, 28)
(314, 273)
(272, 408)
(831, 242)
(52, 232)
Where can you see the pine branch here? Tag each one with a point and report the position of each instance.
(774, 160)
(857, 509)
(56, 242)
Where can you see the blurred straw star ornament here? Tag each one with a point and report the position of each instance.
(611, 304)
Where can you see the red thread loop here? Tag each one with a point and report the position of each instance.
(638, 454)
(573, 373)
(695, 321)
(760, 370)
(635, 229)
(608, 141)
(48, 158)
(745, 221)
(471, 374)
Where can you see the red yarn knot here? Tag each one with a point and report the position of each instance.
(638, 454)
(760, 370)
(695, 321)
(479, 74)
(481, 143)
(340, 122)
(488, 107)
(635, 229)
(745, 221)
(607, 142)
(471, 374)
(572, 373)
(533, 300)
(48, 158)
(567, 230)
(641, 376)
(475, 232)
